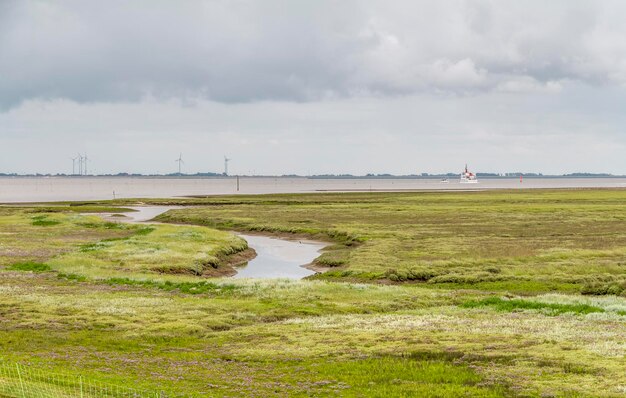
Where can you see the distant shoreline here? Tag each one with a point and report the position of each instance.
(314, 177)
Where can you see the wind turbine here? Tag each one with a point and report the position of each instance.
(80, 164)
(74, 165)
(85, 164)
(180, 161)
(226, 160)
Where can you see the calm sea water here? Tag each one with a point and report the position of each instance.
(36, 189)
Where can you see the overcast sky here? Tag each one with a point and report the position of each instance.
(300, 86)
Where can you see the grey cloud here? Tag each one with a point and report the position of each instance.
(94, 51)
(579, 129)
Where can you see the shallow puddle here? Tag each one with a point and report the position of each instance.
(279, 258)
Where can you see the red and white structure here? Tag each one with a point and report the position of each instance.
(467, 177)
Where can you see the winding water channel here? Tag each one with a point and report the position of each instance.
(276, 257)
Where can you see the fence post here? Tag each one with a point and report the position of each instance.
(19, 376)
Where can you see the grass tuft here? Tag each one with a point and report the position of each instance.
(43, 221)
(507, 305)
(183, 287)
(29, 266)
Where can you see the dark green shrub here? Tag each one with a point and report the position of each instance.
(42, 221)
(493, 270)
(330, 262)
(421, 274)
(601, 289)
(144, 231)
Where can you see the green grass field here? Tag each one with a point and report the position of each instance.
(526, 241)
(482, 294)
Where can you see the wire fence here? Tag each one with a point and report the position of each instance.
(18, 381)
